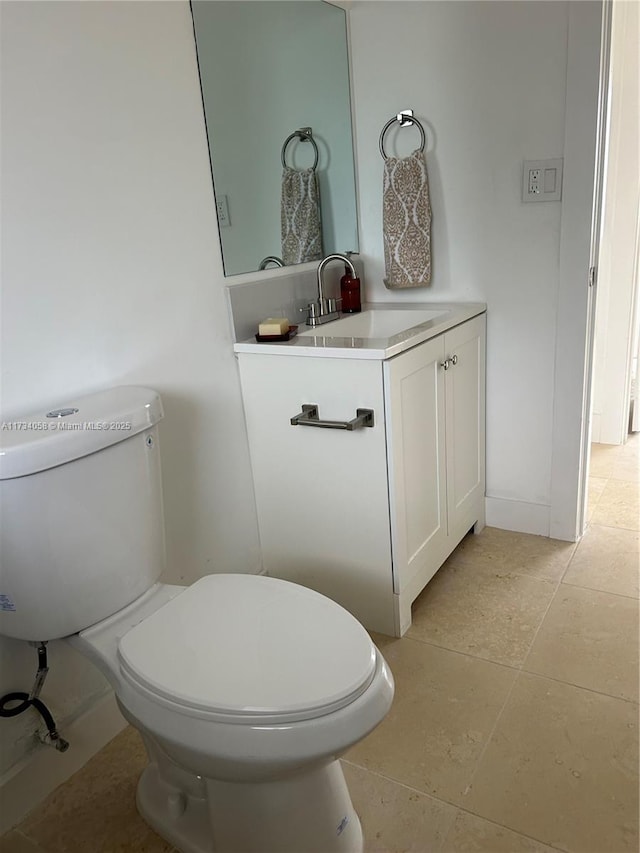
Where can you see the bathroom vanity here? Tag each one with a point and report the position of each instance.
(367, 447)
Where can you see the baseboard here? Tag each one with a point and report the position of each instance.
(520, 516)
(26, 784)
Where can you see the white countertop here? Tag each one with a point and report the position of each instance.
(325, 342)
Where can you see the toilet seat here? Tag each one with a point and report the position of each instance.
(252, 649)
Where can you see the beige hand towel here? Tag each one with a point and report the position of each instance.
(301, 228)
(406, 222)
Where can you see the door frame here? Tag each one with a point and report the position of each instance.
(604, 107)
(587, 83)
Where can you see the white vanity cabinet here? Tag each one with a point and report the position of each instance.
(367, 516)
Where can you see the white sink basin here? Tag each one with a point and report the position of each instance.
(381, 323)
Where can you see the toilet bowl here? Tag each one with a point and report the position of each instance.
(246, 689)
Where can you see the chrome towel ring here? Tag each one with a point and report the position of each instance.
(405, 118)
(304, 134)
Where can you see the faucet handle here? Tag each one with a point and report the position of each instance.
(321, 311)
(312, 312)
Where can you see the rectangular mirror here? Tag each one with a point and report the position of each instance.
(275, 84)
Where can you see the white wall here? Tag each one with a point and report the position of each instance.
(614, 311)
(488, 81)
(111, 273)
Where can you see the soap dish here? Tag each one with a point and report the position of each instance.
(269, 339)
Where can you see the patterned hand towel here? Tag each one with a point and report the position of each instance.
(406, 222)
(301, 229)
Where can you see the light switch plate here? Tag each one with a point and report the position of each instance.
(542, 180)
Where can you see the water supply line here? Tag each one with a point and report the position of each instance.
(31, 700)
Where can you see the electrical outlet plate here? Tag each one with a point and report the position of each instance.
(222, 206)
(542, 180)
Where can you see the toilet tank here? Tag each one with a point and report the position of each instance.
(81, 523)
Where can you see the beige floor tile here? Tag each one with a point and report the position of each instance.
(595, 489)
(562, 766)
(396, 819)
(481, 610)
(626, 465)
(626, 468)
(608, 559)
(520, 553)
(471, 834)
(602, 459)
(619, 505)
(630, 450)
(445, 707)
(621, 462)
(590, 639)
(15, 842)
(95, 810)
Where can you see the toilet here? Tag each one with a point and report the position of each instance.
(246, 689)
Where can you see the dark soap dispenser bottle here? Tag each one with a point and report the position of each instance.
(350, 292)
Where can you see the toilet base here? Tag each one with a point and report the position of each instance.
(179, 818)
(305, 812)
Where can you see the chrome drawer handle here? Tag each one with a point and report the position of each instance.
(310, 416)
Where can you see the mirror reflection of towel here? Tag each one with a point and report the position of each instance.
(301, 228)
(406, 222)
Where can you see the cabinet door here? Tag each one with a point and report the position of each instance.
(416, 450)
(321, 494)
(464, 391)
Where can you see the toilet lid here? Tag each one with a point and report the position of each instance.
(250, 645)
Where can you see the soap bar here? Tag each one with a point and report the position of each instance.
(274, 326)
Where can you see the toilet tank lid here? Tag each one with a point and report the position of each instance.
(75, 428)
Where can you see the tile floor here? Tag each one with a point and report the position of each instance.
(515, 723)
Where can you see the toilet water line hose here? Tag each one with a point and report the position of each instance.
(31, 700)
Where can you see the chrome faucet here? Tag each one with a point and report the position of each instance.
(324, 310)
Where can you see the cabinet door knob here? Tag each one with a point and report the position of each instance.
(454, 359)
(445, 364)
